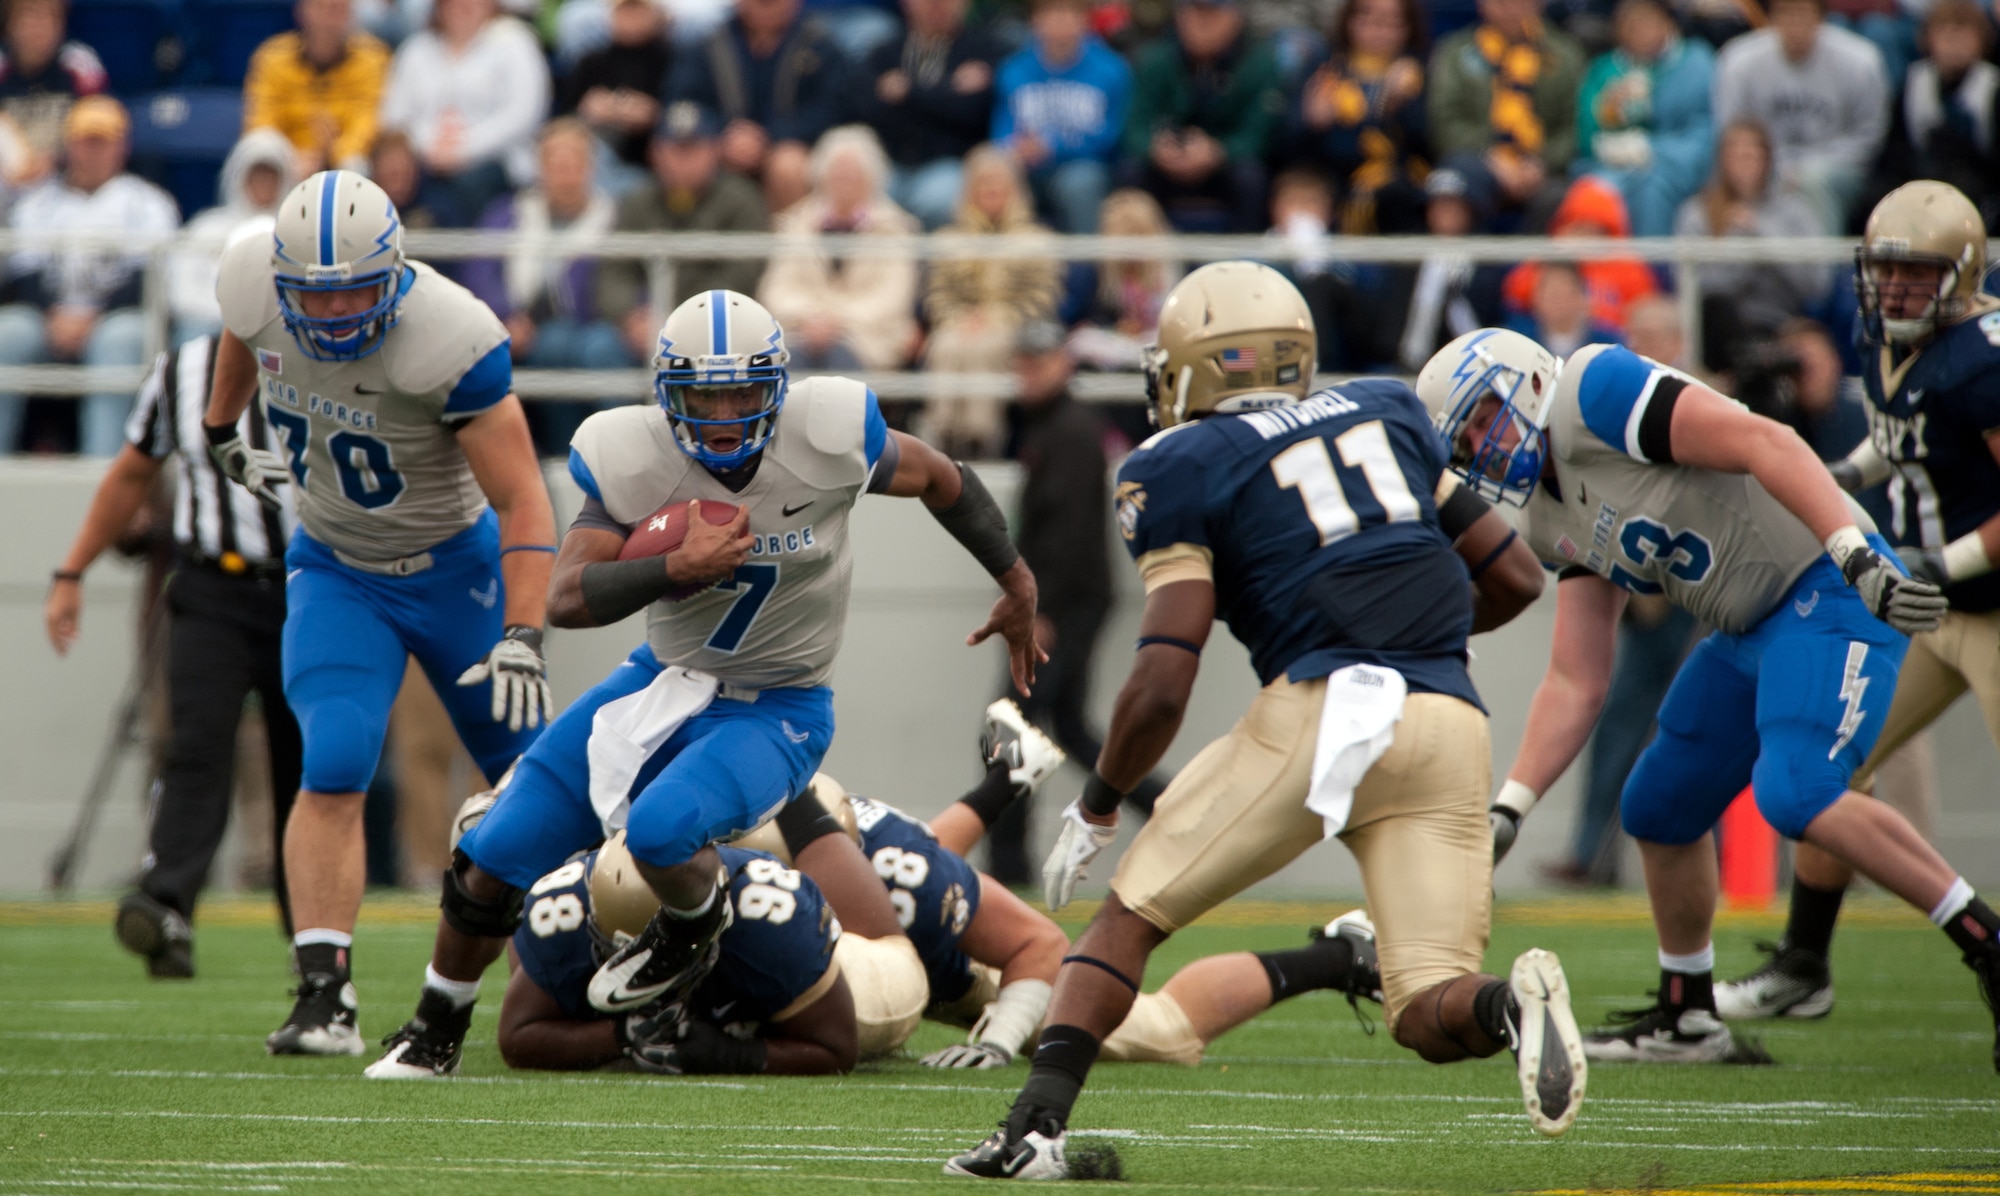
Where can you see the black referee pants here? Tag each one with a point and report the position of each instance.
(222, 645)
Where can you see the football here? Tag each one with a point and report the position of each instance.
(661, 532)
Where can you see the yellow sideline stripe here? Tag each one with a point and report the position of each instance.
(1609, 909)
(1906, 1181)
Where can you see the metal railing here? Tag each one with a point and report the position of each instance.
(662, 251)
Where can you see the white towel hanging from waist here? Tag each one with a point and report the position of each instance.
(626, 732)
(1358, 723)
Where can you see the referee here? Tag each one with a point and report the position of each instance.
(227, 598)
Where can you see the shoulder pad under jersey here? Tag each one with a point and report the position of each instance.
(441, 330)
(832, 412)
(244, 289)
(630, 457)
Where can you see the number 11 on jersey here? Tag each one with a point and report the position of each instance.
(1307, 468)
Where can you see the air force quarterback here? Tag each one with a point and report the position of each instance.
(391, 389)
(723, 714)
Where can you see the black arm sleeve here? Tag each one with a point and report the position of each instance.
(1656, 426)
(615, 589)
(804, 821)
(976, 521)
(1460, 512)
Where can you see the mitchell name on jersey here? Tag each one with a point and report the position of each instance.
(778, 621)
(378, 469)
(1716, 544)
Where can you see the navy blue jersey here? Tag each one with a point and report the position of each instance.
(777, 949)
(935, 892)
(1932, 425)
(1318, 525)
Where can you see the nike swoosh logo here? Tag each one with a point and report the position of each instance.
(721, 1011)
(1806, 607)
(1917, 395)
(788, 512)
(794, 736)
(1010, 1166)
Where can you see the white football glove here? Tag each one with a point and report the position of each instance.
(256, 470)
(1908, 605)
(1069, 860)
(520, 678)
(980, 1056)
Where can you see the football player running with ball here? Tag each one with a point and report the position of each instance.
(391, 389)
(1328, 533)
(723, 714)
(1635, 478)
(1931, 368)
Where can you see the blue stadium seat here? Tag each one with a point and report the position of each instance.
(223, 34)
(181, 138)
(137, 40)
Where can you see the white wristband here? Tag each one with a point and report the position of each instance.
(1966, 557)
(1874, 467)
(1517, 797)
(1845, 543)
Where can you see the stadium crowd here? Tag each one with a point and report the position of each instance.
(567, 119)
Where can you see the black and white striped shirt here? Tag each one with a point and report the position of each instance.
(213, 516)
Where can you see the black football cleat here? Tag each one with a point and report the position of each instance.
(1793, 982)
(323, 1020)
(1034, 1155)
(153, 930)
(665, 962)
(428, 1046)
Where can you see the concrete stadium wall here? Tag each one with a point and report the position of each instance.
(909, 693)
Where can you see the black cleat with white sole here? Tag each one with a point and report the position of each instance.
(665, 962)
(1663, 1035)
(323, 1021)
(1793, 982)
(428, 1046)
(1548, 1049)
(1034, 1155)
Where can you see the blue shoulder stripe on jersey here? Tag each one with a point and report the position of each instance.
(490, 379)
(874, 430)
(327, 192)
(718, 323)
(585, 480)
(1616, 387)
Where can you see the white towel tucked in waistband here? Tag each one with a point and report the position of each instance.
(1363, 705)
(625, 733)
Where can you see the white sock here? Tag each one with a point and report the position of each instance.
(331, 938)
(1956, 898)
(1692, 964)
(462, 992)
(689, 915)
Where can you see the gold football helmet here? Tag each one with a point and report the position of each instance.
(621, 902)
(832, 797)
(1926, 223)
(1234, 336)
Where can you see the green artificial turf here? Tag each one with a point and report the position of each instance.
(110, 1081)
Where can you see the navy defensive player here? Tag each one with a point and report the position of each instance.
(723, 714)
(776, 1002)
(1635, 478)
(391, 388)
(1930, 343)
(1342, 580)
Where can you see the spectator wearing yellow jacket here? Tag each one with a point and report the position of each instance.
(320, 86)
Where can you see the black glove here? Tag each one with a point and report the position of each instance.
(667, 1042)
(1908, 605)
(1924, 564)
(1506, 825)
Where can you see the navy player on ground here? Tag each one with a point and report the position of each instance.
(1633, 477)
(776, 1002)
(1343, 583)
(1930, 345)
(723, 714)
(392, 390)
